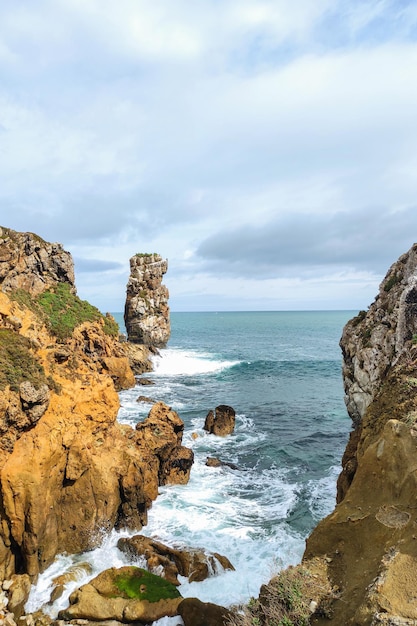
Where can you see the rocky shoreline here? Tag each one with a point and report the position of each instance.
(69, 472)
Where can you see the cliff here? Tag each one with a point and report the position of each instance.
(68, 471)
(146, 311)
(370, 540)
(359, 567)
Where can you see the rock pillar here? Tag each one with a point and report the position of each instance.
(146, 310)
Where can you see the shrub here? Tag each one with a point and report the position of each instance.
(62, 311)
(17, 363)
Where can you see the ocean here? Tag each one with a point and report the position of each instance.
(281, 372)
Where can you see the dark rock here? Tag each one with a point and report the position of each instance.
(194, 563)
(197, 613)
(213, 462)
(145, 399)
(145, 382)
(220, 422)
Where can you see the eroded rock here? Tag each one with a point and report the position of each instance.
(221, 422)
(146, 310)
(195, 564)
(128, 594)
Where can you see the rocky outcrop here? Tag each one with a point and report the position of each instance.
(28, 262)
(372, 341)
(197, 613)
(221, 421)
(68, 471)
(127, 595)
(146, 310)
(193, 563)
(369, 541)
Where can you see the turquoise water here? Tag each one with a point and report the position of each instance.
(281, 371)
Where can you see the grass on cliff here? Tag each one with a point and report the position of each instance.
(287, 600)
(62, 311)
(17, 363)
(140, 584)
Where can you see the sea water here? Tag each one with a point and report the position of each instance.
(281, 372)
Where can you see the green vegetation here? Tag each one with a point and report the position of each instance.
(358, 319)
(140, 584)
(392, 280)
(17, 363)
(146, 254)
(287, 600)
(62, 311)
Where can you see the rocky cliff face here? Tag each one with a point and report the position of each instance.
(28, 262)
(370, 540)
(68, 471)
(146, 310)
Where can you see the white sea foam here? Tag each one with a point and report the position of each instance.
(176, 362)
(241, 513)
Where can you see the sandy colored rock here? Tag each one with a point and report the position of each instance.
(69, 472)
(195, 564)
(146, 599)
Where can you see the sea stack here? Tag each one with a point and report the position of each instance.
(146, 310)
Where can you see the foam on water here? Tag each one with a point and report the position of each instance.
(176, 362)
(240, 513)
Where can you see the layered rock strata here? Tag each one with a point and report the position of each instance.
(28, 262)
(146, 310)
(370, 540)
(68, 471)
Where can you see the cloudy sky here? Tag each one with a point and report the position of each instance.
(267, 148)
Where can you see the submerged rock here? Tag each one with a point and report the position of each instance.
(221, 422)
(214, 462)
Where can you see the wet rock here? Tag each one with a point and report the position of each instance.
(145, 399)
(220, 422)
(162, 432)
(197, 613)
(193, 563)
(214, 462)
(128, 594)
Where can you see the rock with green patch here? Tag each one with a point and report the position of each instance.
(128, 594)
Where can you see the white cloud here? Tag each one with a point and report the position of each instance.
(159, 126)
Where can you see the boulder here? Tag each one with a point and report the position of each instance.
(197, 613)
(220, 422)
(146, 309)
(18, 593)
(214, 462)
(128, 594)
(162, 432)
(193, 563)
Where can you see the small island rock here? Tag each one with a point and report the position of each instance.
(220, 422)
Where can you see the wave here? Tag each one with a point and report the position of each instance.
(175, 362)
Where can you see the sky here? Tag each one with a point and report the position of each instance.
(266, 148)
